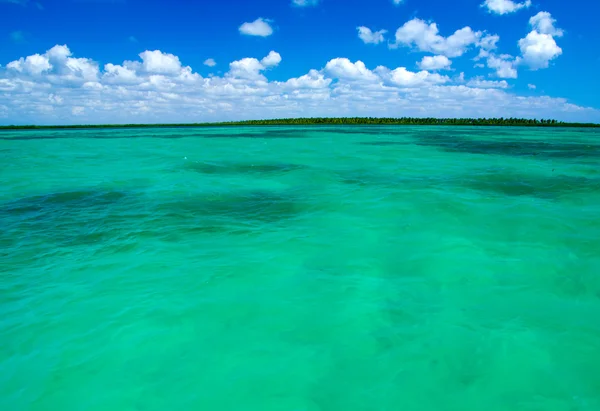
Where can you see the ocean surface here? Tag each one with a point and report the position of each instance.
(300, 269)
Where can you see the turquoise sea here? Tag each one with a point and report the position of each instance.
(300, 269)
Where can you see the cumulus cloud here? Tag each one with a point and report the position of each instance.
(544, 23)
(434, 63)
(479, 82)
(425, 37)
(56, 87)
(250, 68)
(116, 74)
(58, 65)
(531, 86)
(210, 62)
(505, 65)
(538, 48)
(271, 60)
(397, 2)
(504, 6)
(259, 27)
(370, 37)
(405, 78)
(304, 3)
(157, 62)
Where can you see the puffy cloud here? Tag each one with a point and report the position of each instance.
(425, 37)
(405, 78)
(210, 62)
(58, 64)
(434, 63)
(250, 68)
(397, 2)
(370, 37)
(504, 6)
(313, 80)
(272, 59)
(504, 65)
(544, 23)
(486, 44)
(531, 86)
(128, 92)
(538, 49)
(157, 62)
(34, 64)
(259, 27)
(343, 68)
(116, 74)
(479, 82)
(305, 3)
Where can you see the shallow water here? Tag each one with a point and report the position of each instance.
(323, 268)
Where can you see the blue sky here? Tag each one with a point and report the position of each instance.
(88, 61)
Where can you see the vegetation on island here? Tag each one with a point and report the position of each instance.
(408, 121)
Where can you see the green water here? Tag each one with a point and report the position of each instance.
(331, 268)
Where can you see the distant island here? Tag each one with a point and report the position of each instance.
(402, 121)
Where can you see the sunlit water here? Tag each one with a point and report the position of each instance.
(324, 268)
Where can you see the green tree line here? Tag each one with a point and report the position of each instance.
(409, 121)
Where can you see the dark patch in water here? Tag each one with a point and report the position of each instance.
(384, 143)
(65, 218)
(242, 168)
(108, 218)
(62, 202)
(525, 148)
(516, 185)
(246, 207)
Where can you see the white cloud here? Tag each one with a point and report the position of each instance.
(370, 37)
(250, 68)
(313, 80)
(405, 78)
(157, 62)
(304, 3)
(58, 64)
(538, 50)
(434, 63)
(479, 82)
(425, 37)
(486, 44)
(531, 86)
(344, 69)
(397, 2)
(35, 64)
(53, 98)
(77, 110)
(271, 60)
(504, 65)
(116, 74)
(544, 23)
(54, 88)
(259, 27)
(505, 6)
(210, 62)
